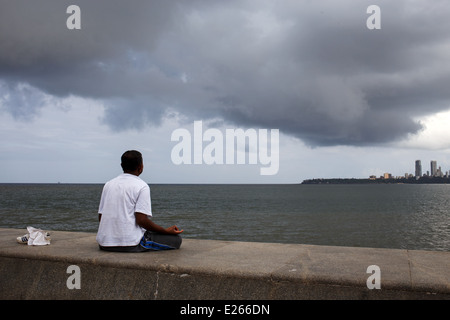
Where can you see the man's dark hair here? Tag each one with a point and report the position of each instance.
(131, 160)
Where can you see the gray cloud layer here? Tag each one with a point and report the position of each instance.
(310, 68)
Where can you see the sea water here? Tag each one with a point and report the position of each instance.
(382, 216)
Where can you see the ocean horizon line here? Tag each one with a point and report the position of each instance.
(150, 183)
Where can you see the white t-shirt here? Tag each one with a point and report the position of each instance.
(121, 198)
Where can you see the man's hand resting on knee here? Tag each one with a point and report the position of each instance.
(143, 221)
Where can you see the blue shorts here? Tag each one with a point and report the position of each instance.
(150, 241)
(157, 241)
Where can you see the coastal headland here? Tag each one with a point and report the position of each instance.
(421, 180)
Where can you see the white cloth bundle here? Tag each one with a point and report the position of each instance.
(37, 237)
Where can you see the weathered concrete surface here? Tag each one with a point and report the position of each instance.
(207, 269)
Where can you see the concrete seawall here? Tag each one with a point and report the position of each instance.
(208, 269)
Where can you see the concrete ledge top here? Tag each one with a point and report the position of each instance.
(410, 270)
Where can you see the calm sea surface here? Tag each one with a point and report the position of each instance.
(381, 216)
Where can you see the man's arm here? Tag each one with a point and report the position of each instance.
(143, 221)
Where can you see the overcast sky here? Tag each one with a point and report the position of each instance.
(348, 101)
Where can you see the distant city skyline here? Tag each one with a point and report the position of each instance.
(434, 171)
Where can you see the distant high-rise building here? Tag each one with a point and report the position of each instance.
(418, 168)
(433, 168)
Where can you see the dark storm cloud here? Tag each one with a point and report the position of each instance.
(309, 68)
(22, 101)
